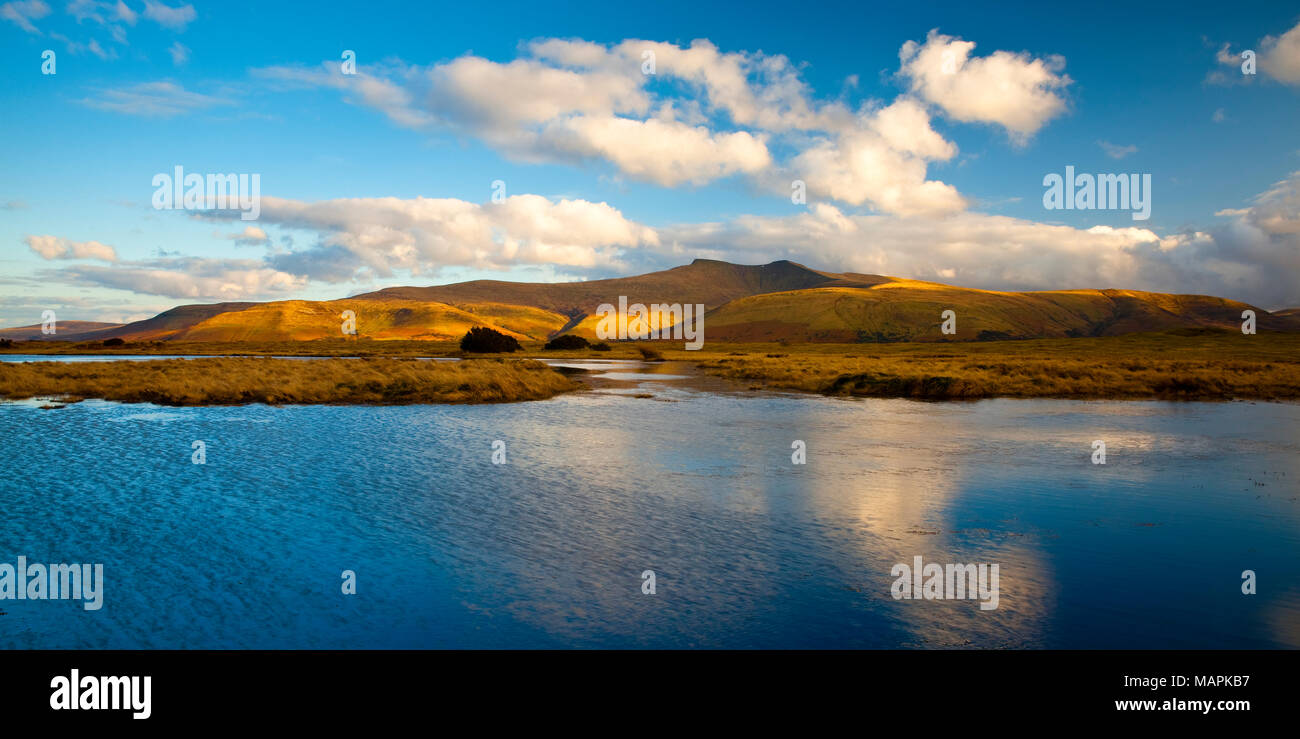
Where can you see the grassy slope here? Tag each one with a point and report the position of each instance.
(910, 310)
(302, 320)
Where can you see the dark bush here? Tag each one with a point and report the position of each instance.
(483, 340)
(6, 343)
(567, 342)
(600, 347)
(650, 355)
(115, 341)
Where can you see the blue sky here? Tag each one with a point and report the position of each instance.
(924, 161)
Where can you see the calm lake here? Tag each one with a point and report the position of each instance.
(696, 484)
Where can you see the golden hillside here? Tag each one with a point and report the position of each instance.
(303, 320)
(778, 301)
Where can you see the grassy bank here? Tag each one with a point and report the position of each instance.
(234, 381)
(1200, 364)
(1176, 365)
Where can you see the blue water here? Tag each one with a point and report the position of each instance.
(749, 550)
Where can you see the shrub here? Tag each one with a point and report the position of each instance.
(649, 355)
(115, 341)
(567, 342)
(6, 343)
(600, 347)
(484, 340)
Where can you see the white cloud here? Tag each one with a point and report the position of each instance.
(1253, 258)
(1279, 57)
(164, 15)
(250, 236)
(180, 53)
(1015, 91)
(190, 278)
(103, 13)
(53, 247)
(1115, 151)
(882, 162)
(84, 10)
(664, 152)
(360, 237)
(161, 99)
(94, 48)
(576, 101)
(22, 12)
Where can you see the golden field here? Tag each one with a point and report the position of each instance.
(235, 381)
(1191, 364)
(1187, 365)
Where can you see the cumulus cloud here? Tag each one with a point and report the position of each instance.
(1254, 257)
(882, 162)
(53, 247)
(1016, 91)
(250, 236)
(155, 99)
(190, 278)
(673, 115)
(1277, 57)
(365, 237)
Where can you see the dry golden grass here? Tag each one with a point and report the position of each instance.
(235, 381)
(1191, 366)
(315, 348)
(1185, 363)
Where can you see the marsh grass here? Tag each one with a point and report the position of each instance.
(1186, 365)
(236, 381)
(1198, 364)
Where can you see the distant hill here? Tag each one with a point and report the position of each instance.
(703, 281)
(63, 331)
(778, 301)
(911, 310)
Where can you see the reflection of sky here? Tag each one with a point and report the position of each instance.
(750, 550)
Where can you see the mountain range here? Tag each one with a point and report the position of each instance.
(782, 300)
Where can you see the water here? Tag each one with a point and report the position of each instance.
(694, 483)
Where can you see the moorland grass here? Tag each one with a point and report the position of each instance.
(1176, 365)
(1193, 364)
(236, 381)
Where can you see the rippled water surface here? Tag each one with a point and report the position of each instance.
(694, 483)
